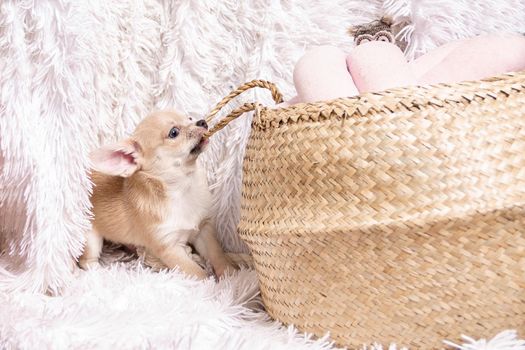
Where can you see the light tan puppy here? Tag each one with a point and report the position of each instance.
(150, 191)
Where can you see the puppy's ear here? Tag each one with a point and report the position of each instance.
(120, 159)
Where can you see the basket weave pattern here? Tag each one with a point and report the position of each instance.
(394, 216)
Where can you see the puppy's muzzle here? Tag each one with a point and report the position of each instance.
(199, 134)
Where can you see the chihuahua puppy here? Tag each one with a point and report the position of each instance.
(149, 191)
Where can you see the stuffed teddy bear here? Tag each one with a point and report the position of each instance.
(326, 72)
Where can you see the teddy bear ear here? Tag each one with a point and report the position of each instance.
(364, 38)
(385, 36)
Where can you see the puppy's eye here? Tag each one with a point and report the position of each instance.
(174, 132)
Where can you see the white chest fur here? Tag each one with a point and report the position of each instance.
(190, 202)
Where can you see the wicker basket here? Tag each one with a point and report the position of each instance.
(390, 217)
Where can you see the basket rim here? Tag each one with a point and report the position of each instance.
(407, 98)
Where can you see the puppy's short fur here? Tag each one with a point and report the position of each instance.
(150, 191)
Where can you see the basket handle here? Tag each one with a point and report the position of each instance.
(247, 107)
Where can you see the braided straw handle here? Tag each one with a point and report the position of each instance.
(247, 107)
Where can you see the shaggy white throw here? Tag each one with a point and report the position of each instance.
(74, 74)
(128, 307)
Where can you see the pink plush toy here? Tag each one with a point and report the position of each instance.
(326, 72)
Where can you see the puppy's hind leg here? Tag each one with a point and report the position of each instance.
(92, 250)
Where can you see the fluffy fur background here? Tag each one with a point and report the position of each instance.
(436, 22)
(75, 74)
(131, 308)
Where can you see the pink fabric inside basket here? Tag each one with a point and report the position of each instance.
(326, 72)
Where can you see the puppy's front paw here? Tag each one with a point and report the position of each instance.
(201, 275)
(241, 259)
(89, 264)
(151, 261)
(227, 267)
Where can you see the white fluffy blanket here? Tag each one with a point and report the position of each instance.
(74, 74)
(128, 307)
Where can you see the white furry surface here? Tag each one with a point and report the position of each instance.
(436, 22)
(507, 340)
(131, 308)
(75, 74)
(128, 307)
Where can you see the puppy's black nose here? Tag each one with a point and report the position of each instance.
(202, 123)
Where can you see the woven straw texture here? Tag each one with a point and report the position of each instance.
(391, 217)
